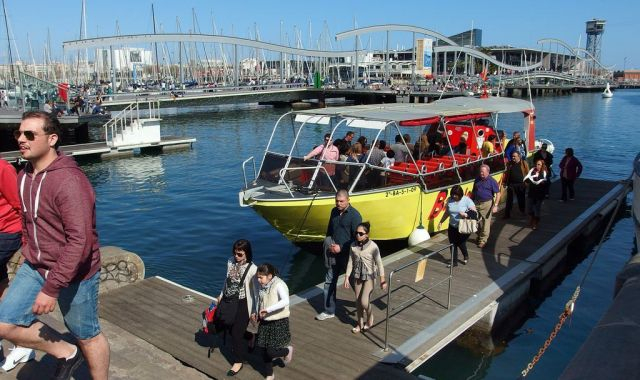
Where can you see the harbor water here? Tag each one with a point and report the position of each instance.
(179, 211)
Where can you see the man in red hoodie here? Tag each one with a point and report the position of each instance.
(61, 251)
(10, 242)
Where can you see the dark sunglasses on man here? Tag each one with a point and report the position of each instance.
(30, 135)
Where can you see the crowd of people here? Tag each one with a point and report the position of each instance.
(54, 223)
(530, 187)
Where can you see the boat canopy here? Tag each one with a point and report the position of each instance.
(416, 114)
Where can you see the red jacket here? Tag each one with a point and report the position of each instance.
(59, 216)
(10, 221)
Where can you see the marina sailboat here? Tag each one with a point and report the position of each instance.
(607, 92)
(296, 195)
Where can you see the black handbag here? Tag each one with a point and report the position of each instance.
(228, 307)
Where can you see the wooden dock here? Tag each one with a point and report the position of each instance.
(101, 149)
(166, 316)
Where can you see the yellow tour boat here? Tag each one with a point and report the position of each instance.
(296, 195)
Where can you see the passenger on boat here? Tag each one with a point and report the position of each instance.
(407, 139)
(357, 155)
(536, 179)
(504, 141)
(421, 147)
(378, 153)
(488, 147)
(401, 150)
(516, 144)
(342, 171)
(389, 160)
(363, 142)
(348, 137)
(274, 334)
(461, 148)
(240, 283)
(326, 151)
(364, 265)
(513, 181)
(570, 169)
(458, 207)
(436, 139)
(486, 196)
(341, 233)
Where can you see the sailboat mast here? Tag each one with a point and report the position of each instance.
(153, 16)
(6, 24)
(33, 60)
(83, 36)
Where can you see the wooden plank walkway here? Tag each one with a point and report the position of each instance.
(168, 316)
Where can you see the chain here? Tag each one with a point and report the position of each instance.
(568, 310)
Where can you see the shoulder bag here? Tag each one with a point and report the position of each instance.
(228, 308)
(468, 225)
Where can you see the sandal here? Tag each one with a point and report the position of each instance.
(369, 323)
(356, 329)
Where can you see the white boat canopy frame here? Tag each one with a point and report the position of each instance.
(400, 112)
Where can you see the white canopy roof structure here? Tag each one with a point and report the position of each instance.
(400, 112)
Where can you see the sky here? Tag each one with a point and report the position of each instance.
(515, 23)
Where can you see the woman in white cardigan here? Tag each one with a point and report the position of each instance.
(274, 335)
(240, 268)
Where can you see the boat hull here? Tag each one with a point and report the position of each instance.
(393, 212)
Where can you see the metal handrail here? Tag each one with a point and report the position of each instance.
(244, 171)
(390, 309)
(284, 170)
(119, 122)
(126, 117)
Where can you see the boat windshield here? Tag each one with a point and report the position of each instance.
(325, 154)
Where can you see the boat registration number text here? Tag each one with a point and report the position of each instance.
(393, 193)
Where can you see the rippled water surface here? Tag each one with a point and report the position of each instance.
(179, 211)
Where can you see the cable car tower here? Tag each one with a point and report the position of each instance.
(595, 30)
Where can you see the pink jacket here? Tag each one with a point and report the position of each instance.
(59, 224)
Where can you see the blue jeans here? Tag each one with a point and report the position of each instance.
(78, 302)
(9, 244)
(331, 283)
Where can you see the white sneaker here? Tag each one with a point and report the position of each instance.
(322, 316)
(287, 359)
(17, 355)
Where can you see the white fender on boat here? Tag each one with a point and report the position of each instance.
(550, 147)
(418, 236)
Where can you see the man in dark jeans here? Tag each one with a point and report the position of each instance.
(517, 169)
(341, 233)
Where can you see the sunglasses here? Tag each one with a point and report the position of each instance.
(361, 233)
(30, 135)
(239, 254)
